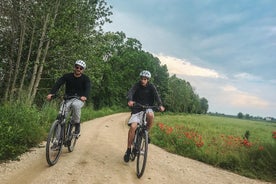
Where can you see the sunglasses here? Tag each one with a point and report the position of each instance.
(143, 78)
(79, 67)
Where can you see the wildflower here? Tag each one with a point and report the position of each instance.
(261, 148)
(161, 126)
(246, 143)
(274, 134)
(188, 135)
(199, 144)
(169, 130)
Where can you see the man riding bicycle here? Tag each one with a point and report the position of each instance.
(145, 93)
(76, 84)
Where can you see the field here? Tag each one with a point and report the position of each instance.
(245, 147)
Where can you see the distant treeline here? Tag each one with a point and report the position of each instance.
(240, 115)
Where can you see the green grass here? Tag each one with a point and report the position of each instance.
(242, 146)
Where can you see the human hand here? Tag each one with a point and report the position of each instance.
(83, 98)
(162, 108)
(130, 103)
(49, 97)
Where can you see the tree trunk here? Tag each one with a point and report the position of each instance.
(40, 70)
(27, 62)
(16, 71)
(39, 50)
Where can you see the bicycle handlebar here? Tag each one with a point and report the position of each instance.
(65, 97)
(144, 107)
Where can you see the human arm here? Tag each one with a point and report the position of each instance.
(130, 95)
(87, 88)
(56, 87)
(158, 99)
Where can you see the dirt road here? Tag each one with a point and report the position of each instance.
(98, 159)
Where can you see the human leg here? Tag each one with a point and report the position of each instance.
(133, 122)
(76, 107)
(150, 118)
(131, 134)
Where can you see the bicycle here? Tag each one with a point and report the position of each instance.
(140, 142)
(61, 133)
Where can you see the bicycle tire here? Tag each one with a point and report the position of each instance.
(142, 154)
(72, 138)
(52, 154)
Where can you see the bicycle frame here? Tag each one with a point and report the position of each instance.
(140, 143)
(60, 134)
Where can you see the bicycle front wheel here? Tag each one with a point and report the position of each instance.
(142, 154)
(54, 144)
(72, 138)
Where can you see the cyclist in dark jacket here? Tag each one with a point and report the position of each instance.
(145, 93)
(76, 84)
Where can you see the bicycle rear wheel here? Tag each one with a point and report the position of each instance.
(54, 144)
(72, 138)
(142, 154)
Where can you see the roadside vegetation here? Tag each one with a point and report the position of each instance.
(245, 147)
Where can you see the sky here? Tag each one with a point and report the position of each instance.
(225, 49)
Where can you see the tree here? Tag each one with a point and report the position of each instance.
(204, 105)
(240, 115)
(36, 37)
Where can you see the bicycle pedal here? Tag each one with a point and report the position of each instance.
(76, 135)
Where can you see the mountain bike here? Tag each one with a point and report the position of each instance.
(61, 133)
(140, 142)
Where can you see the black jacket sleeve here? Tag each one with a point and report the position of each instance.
(132, 91)
(57, 85)
(156, 95)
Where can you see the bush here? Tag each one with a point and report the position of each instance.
(20, 129)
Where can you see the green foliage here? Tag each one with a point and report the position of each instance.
(20, 129)
(182, 98)
(222, 142)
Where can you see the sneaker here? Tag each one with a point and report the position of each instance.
(77, 128)
(127, 155)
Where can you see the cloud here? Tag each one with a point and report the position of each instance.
(247, 76)
(223, 94)
(238, 98)
(183, 67)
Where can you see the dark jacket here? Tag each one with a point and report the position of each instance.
(145, 95)
(79, 86)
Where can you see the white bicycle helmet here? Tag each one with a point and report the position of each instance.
(146, 74)
(81, 63)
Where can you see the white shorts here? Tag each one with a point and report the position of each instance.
(137, 118)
